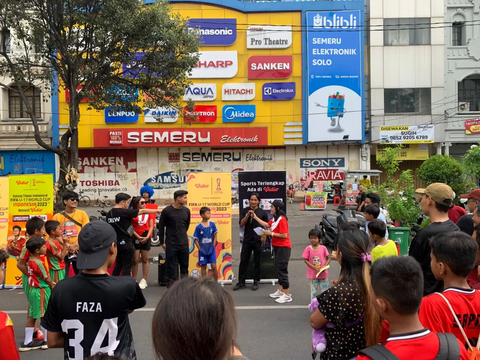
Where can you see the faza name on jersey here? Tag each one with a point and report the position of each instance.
(90, 307)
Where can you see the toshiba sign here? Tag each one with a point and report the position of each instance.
(238, 92)
(215, 65)
(270, 67)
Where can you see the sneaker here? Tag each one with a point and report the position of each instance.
(38, 335)
(277, 294)
(284, 299)
(143, 284)
(44, 346)
(255, 286)
(33, 345)
(239, 287)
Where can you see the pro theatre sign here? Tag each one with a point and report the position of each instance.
(407, 134)
(269, 37)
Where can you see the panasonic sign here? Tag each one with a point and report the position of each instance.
(239, 113)
(201, 92)
(214, 32)
(161, 115)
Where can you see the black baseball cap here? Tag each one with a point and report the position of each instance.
(94, 241)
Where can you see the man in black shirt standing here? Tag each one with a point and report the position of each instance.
(465, 223)
(120, 217)
(437, 198)
(88, 313)
(251, 242)
(176, 219)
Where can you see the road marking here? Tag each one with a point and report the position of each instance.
(269, 307)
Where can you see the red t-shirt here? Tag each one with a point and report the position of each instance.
(140, 223)
(436, 315)
(456, 212)
(37, 274)
(280, 227)
(473, 280)
(53, 248)
(408, 346)
(7, 338)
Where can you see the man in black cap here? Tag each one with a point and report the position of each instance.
(465, 223)
(88, 313)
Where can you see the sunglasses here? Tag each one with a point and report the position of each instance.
(142, 202)
(74, 199)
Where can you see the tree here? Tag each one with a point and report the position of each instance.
(388, 160)
(401, 205)
(444, 169)
(471, 162)
(119, 54)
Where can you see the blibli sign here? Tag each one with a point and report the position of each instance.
(116, 115)
(214, 32)
(239, 113)
(278, 91)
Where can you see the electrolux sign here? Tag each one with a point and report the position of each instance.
(278, 91)
(335, 68)
(239, 113)
(214, 32)
(117, 115)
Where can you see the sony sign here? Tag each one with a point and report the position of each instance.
(161, 115)
(201, 92)
(269, 37)
(322, 163)
(215, 65)
(238, 91)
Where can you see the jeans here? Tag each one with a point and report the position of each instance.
(179, 254)
(68, 263)
(247, 249)
(282, 256)
(125, 258)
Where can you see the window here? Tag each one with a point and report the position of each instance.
(458, 34)
(469, 92)
(403, 101)
(413, 31)
(17, 108)
(6, 38)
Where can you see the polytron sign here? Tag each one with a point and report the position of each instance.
(270, 67)
(216, 65)
(201, 92)
(214, 32)
(269, 37)
(238, 91)
(161, 115)
(201, 114)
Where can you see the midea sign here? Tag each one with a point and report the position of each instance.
(269, 37)
(238, 92)
(201, 92)
(239, 113)
(216, 65)
(161, 115)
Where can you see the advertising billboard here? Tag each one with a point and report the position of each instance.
(335, 81)
(214, 32)
(407, 134)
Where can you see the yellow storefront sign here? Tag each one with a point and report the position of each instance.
(409, 152)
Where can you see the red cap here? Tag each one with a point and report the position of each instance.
(474, 194)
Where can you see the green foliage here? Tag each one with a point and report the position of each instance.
(401, 205)
(471, 162)
(388, 160)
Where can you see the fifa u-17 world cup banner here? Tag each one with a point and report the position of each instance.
(29, 196)
(270, 185)
(212, 190)
(3, 214)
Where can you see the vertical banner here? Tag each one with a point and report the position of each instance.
(212, 190)
(271, 185)
(4, 216)
(29, 196)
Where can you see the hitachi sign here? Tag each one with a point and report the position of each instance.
(174, 137)
(239, 91)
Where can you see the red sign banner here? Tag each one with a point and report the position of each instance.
(326, 175)
(201, 114)
(113, 160)
(270, 67)
(67, 95)
(179, 137)
(472, 126)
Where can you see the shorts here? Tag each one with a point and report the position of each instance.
(318, 286)
(57, 275)
(207, 259)
(25, 286)
(38, 301)
(147, 246)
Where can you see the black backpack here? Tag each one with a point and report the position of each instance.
(449, 350)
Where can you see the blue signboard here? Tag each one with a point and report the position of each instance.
(169, 179)
(27, 162)
(278, 91)
(124, 93)
(239, 113)
(117, 115)
(215, 32)
(335, 75)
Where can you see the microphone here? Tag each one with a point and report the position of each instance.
(251, 218)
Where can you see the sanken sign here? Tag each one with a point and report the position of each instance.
(201, 92)
(269, 37)
(216, 65)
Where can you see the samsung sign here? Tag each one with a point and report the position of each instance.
(278, 91)
(322, 163)
(118, 115)
(239, 113)
(214, 32)
(201, 92)
(161, 115)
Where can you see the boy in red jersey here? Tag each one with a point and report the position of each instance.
(397, 290)
(453, 257)
(56, 250)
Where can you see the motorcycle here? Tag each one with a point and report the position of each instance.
(330, 224)
(155, 236)
(101, 217)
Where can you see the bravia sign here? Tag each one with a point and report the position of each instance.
(117, 115)
(161, 115)
(278, 91)
(270, 67)
(269, 37)
(201, 92)
(214, 32)
(239, 113)
(201, 114)
(238, 92)
(216, 65)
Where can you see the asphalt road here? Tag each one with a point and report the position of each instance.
(266, 330)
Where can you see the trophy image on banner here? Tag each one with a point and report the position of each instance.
(335, 110)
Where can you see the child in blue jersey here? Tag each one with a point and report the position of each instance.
(205, 237)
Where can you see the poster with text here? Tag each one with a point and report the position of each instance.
(29, 196)
(270, 185)
(315, 200)
(212, 190)
(335, 75)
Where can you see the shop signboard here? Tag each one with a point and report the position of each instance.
(407, 134)
(269, 37)
(215, 65)
(214, 32)
(278, 91)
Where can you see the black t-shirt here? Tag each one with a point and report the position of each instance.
(121, 218)
(177, 222)
(92, 313)
(420, 250)
(465, 223)
(251, 236)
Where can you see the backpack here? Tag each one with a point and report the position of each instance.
(449, 349)
(473, 352)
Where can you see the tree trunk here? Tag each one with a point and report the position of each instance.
(64, 160)
(74, 118)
